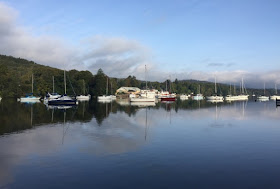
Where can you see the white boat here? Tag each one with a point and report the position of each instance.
(145, 95)
(263, 97)
(29, 97)
(242, 95)
(274, 97)
(52, 95)
(215, 97)
(184, 97)
(64, 99)
(231, 98)
(105, 97)
(83, 97)
(198, 96)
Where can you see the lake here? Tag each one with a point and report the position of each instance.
(185, 144)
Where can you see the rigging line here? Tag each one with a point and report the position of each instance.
(71, 85)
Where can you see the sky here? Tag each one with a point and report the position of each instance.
(184, 39)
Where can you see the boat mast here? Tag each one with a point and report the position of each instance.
(215, 86)
(84, 87)
(64, 83)
(107, 87)
(53, 83)
(275, 88)
(242, 86)
(146, 77)
(111, 88)
(170, 84)
(264, 88)
(32, 84)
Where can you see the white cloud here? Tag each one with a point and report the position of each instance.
(117, 56)
(16, 41)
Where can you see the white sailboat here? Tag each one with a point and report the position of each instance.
(146, 95)
(215, 97)
(83, 97)
(198, 96)
(105, 97)
(275, 97)
(242, 95)
(29, 97)
(52, 95)
(63, 100)
(263, 97)
(230, 97)
(184, 97)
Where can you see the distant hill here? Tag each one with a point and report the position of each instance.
(16, 73)
(15, 81)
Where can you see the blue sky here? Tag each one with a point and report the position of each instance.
(195, 39)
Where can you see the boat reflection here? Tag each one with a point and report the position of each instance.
(59, 107)
(123, 102)
(104, 101)
(263, 99)
(215, 101)
(143, 104)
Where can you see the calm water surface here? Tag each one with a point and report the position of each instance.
(186, 144)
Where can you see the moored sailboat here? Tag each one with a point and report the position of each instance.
(84, 96)
(198, 96)
(275, 97)
(215, 97)
(145, 95)
(105, 97)
(30, 97)
(170, 96)
(52, 95)
(263, 97)
(64, 99)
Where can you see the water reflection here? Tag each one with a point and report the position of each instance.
(55, 141)
(30, 115)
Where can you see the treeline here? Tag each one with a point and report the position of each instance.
(16, 74)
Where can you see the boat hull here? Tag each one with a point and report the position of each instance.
(30, 99)
(83, 97)
(198, 97)
(263, 98)
(62, 102)
(104, 98)
(215, 98)
(274, 97)
(142, 100)
(168, 99)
